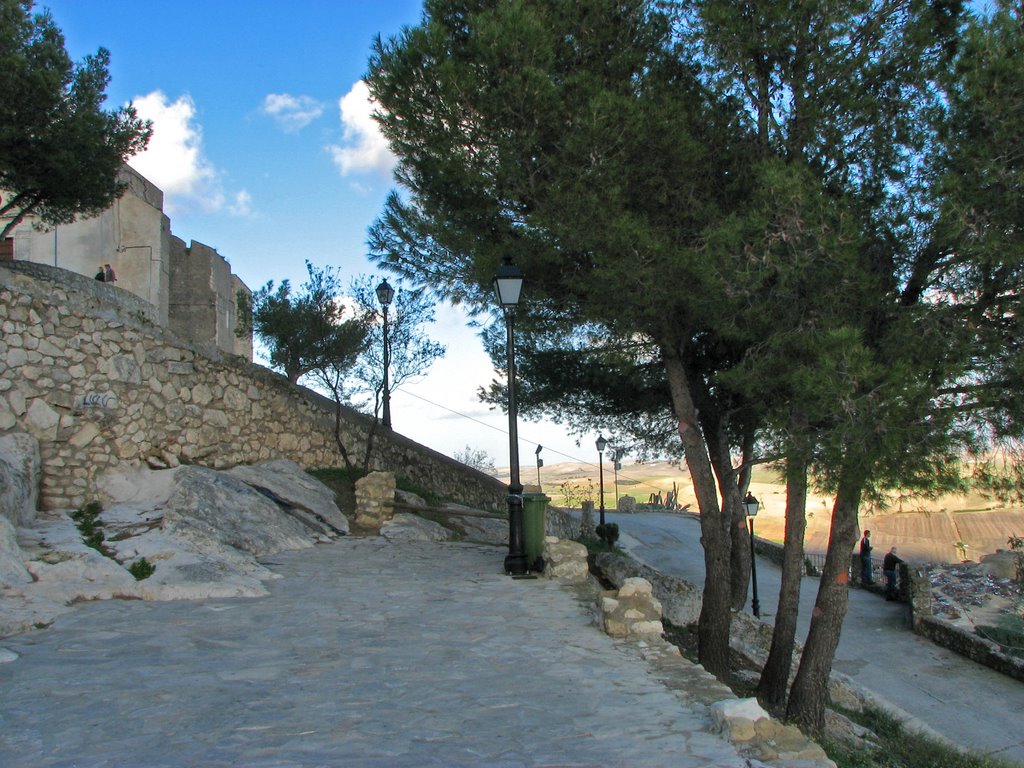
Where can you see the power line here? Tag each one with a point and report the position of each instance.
(504, 432)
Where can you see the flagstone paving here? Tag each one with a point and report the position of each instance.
(366, 653)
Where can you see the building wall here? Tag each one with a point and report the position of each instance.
(202, 304)
(241, 345)
(86, 370)
(134, 237)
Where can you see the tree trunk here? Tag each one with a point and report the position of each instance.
(739, 557)
(372, 434)
(715, 615)
(338, 439)
(809, 694)
(771, 689)
(19, 216)
(729, 486)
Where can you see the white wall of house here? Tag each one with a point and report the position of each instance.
(134, 237)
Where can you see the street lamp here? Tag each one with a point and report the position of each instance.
(601, 445)
(385, 293)
(540, 463)
(751, 504)
(508, 284)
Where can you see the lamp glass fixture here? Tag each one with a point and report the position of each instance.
(508, 283)
(751, 504)
(601, 443)
(385, 293)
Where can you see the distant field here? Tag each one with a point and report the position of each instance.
(924, 531)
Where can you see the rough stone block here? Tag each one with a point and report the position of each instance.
(565, 560)
(20, 467)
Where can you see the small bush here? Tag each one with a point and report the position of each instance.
(88, 524)
(608, 533)
(141, 569)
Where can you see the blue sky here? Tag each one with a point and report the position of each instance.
(264, 149)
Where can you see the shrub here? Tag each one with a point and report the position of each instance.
(141, 569)
(88, 524)
(608, 533)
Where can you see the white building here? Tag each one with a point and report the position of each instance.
(192, 288)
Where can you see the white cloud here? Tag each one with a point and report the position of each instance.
(363, 148)
(241, 204)
(292, 113)
(175, 161)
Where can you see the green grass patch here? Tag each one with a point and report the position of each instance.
(899, 748)
(331, 476)
(426, 494)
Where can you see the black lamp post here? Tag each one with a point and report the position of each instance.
(751, 504)
(385, 293)
(540, 463)
(508, 284)
(601, 445)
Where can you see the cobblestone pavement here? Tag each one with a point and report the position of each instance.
(366, 653)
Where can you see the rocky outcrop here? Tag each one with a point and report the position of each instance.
(200, 529)
(409, 527)
(486, 530)
(565, 560)
(211, 505)
(12, 568)
(300, 495)
(19, 477)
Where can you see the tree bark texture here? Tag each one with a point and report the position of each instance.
(809, 694)
(734, 512)
(771, 689)
(715, 614)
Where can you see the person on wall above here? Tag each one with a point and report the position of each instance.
(889, 564)
(108, 274)
(101, 275)
(865, 559)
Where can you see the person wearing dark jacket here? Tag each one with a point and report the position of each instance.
(889, 565)
(865, 559)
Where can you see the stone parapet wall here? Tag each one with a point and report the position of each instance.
(948, 635)
(84, 369)
(970, 645)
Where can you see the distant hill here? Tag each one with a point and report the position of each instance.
(924, 531)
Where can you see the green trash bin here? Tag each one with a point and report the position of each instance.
(535, 512)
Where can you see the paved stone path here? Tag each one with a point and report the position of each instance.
(366, 654)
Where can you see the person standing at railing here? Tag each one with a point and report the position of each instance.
(889, 564)
(865, 559)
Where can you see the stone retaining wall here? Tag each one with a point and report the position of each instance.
(950, 636)
(84, 369)
(968, 644)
